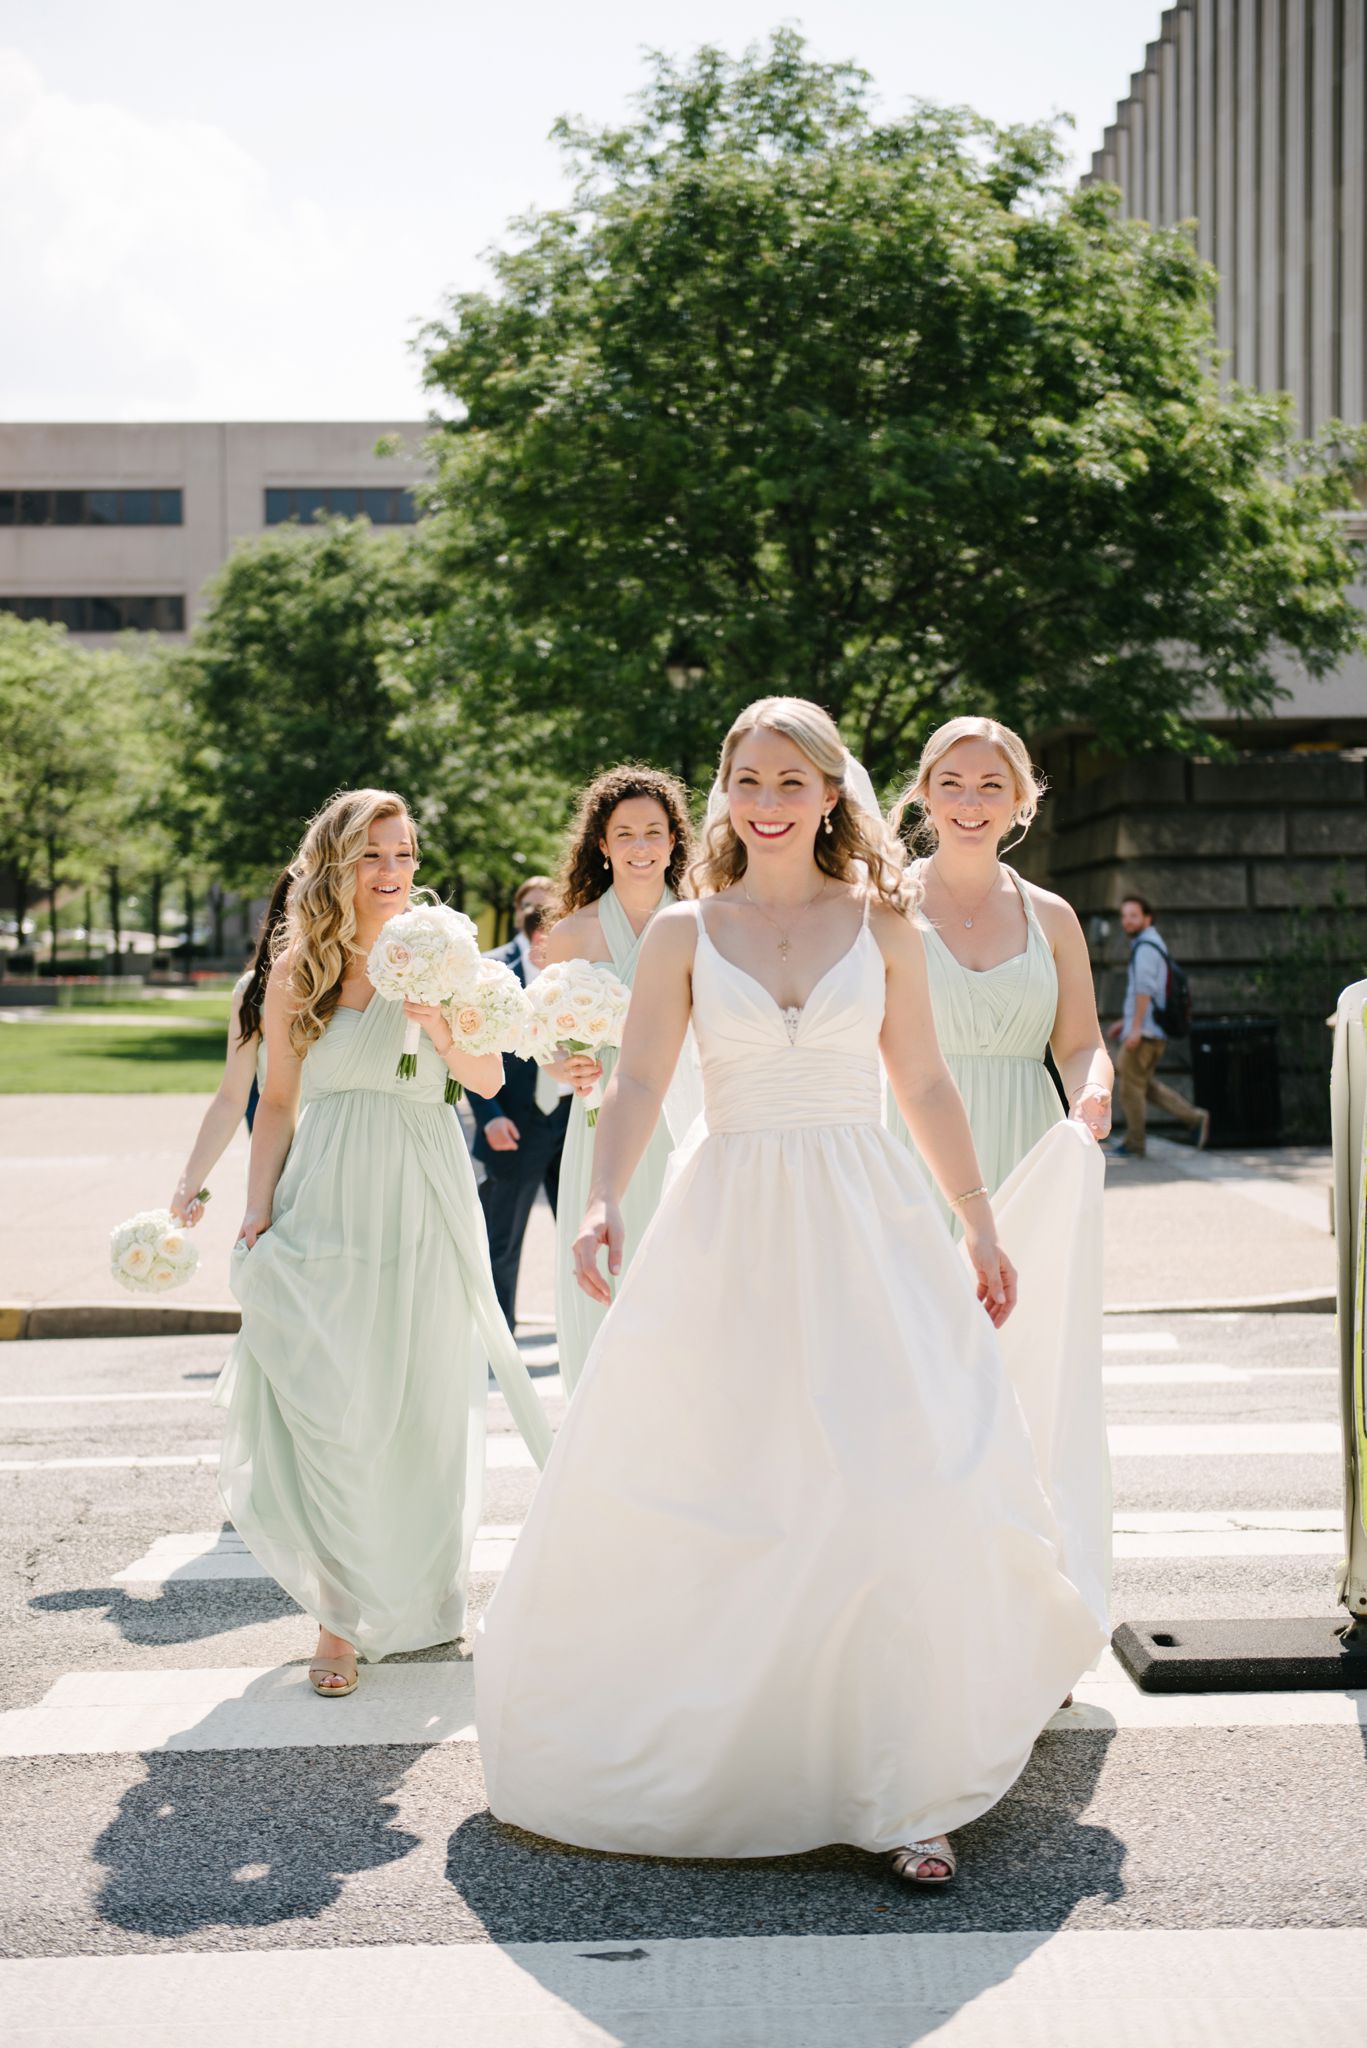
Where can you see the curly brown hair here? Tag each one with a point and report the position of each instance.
(583, 878)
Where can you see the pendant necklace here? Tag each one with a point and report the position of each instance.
(978, 907)
(785, 944)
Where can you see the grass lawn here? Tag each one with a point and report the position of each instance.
(210, 1005)
(157, 1058)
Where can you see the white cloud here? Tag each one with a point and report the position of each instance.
(157, 269)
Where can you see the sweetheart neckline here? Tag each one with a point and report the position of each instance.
(798, 1010)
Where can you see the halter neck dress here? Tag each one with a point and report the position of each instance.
(833, 1608)
(1045, 1176)
(353, 1456)
(577, 1319)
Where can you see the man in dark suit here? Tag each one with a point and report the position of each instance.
(520, 1132)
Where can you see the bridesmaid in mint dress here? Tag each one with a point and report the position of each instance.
(353, 1455)
(629, 847)
(1010, 978)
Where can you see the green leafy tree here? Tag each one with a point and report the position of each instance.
(61, 725)
(793, 396)
(288, 684)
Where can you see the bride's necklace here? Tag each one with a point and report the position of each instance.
(978, 907)
(785, 944)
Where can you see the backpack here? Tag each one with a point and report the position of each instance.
(1173, 1014)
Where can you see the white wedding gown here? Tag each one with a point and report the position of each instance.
(790, 1577)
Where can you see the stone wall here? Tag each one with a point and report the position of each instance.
(1258, 869)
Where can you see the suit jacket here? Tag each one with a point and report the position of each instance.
(540, 1134)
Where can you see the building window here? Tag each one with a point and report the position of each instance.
(385, 505)
(103, 614)
(92, 508)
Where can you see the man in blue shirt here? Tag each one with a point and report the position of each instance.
(1142, 1038)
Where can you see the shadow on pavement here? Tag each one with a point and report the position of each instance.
(180, 1613)
(248, 1838)
(1025, 1867)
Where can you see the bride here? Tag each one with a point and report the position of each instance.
(833, 1608)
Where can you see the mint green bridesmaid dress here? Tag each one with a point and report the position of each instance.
(1045, 1175)
(353, 1458)
(577, 1319)
(994, 1027)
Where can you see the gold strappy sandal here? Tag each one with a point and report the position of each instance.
(908, 1860)
(333, 1667)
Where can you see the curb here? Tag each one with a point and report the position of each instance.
(1312, 1301)
(132, 1319)
(114, 1319)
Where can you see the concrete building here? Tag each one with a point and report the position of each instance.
(1247, 119)
(108, 527)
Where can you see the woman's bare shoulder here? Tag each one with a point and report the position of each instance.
(577, 936)
(1055, 913)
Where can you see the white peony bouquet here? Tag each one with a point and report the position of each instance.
(577, 1006)
(422, 956)
(151, 1253)
(488, 1012)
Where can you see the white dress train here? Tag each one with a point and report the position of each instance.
(790, 1577)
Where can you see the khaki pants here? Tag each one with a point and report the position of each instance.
(1139, 1086)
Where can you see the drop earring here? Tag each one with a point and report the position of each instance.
(829, 826)
(607, 863)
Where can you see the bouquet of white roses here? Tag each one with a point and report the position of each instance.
(488, 1012)
(422, 956)
(151, 1253)
(577, 1006)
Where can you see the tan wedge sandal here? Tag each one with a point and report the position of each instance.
(908, 1861)
(333, 1667)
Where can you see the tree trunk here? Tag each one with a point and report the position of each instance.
(89, 920)
(21, 895)
(52, 900)
(189, 929)
(156, 914)
(216, 913)
(116, 918)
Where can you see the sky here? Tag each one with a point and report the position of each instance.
(246, 212)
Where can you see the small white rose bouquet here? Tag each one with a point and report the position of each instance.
(422, 956)
(577, 1006)
(488, 1012)
(151, 1253)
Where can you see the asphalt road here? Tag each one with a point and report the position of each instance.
(120, 1844)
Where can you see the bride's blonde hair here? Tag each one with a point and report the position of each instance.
(1027, 783)
(319, 930)
(858, 849)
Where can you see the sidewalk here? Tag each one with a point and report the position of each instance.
(1183, 1228)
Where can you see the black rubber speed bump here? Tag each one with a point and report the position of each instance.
(1241, 1656)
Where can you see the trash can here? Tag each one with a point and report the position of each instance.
(1234, 1075)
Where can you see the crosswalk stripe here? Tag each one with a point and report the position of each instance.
(1263, 1987)
(1209, 1375)
(210, 1554)
(502, 1452)
(1223, 1439)
(85, 1400)
(101, 1713)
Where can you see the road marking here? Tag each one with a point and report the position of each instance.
(119, 1712)
(1264, 1987)
(102, 1464)
(70, 1400)
(1156, 1340)
(210, 1554)
(1209, 1375)
(502, 1452)
(103, 1713)
(1224, 1439)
